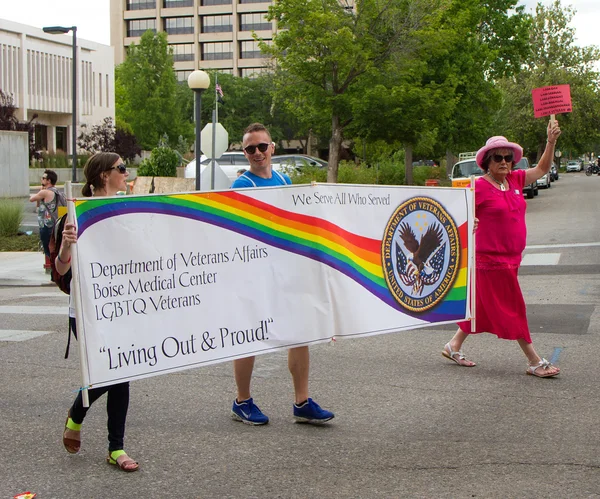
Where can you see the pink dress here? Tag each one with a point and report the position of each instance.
(500, 241)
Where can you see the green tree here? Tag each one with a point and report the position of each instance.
(554, 59)
(328, 56)
(145, 92)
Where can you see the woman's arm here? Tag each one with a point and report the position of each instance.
(545, 162)
(63, 258)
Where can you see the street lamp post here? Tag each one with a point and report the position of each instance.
(61, 30)
(198, 81)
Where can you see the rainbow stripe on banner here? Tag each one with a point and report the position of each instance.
(356, 256)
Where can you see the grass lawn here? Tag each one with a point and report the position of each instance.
(21, 242)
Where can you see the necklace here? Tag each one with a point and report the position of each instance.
(501, 184)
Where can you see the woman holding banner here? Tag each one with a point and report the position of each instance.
(500, 241)
(105, 175)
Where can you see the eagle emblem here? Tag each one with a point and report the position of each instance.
(420, 269)
(425, 264)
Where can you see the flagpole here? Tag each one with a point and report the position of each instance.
(216, 98)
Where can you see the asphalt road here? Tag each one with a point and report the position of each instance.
(409, 424)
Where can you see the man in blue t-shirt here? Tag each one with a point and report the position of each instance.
(258, 148)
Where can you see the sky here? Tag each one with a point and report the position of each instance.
(92, 16)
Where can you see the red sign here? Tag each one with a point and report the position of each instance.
(551, 100)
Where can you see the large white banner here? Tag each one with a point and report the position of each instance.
(170, 282)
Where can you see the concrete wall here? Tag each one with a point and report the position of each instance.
(14, 164)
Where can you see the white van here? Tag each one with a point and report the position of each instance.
(462, 171)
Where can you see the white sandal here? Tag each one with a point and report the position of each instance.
(449, 354)
(544, 364)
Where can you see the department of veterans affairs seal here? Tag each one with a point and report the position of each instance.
(420, 253)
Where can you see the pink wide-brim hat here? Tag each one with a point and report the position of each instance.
(498, 142)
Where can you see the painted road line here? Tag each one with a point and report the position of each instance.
(555, 355)
(571, 245)
(35, 310)
(53, 294)
(540, 259)
(16, 335)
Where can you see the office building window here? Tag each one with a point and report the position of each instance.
(179, 25)
(250, 50)
(61, 138)
(254, 22)
(183, 52)
(251, 72)
(137, 27)
(40, 137)
(255, 1)
(183, 75)
(217, 51)
(140, 4)
(168, 4)
(216, 24)
(215, 2)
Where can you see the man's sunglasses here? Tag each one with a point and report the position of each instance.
(44, 177)
(262, 147)
(121, 167)
(498, 158)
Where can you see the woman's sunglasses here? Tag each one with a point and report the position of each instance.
(121, 167)
(262, 147)
(498, 158)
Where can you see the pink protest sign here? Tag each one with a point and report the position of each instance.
(551, 100)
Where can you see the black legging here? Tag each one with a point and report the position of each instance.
(117, 403)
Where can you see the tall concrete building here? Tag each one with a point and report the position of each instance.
(36, 71)
(204, 34)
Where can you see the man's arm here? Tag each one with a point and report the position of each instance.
(44, 195)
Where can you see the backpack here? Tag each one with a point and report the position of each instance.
(48, 212)
(62, 281)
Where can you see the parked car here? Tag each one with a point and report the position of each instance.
(230, 162)
(529, 190)
(462, 171)
(296, 161)
(574, 166)
(544, 181)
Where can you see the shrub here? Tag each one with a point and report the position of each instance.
(11, 216)
(385, 171)
(145, 169)
(163, 162)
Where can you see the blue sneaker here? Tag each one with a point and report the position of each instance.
(310, 412)
(248, 412)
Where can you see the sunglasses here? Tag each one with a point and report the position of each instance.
(498, 158)
(262, 147)
(44, 178)
(121, 167)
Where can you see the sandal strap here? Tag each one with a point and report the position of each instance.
(544, 364)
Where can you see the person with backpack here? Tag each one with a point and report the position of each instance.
(105, 175)
(48, 199)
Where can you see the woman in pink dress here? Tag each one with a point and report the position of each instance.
(500, 240)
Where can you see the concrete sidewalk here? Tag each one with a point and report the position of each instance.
(23, 268)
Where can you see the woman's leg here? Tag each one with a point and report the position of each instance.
(77, 412)
(117, 404)
(72, 432)
(455, 345)
(534, 359)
